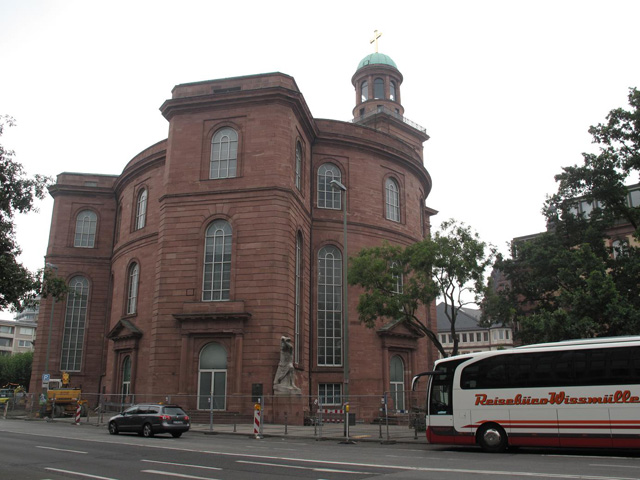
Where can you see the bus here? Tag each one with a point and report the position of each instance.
(578, 393)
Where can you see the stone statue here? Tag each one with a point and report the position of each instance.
(284, 381)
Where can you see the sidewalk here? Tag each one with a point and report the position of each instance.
(329, 431)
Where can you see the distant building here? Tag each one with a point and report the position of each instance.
(471, 336)
(18, 335)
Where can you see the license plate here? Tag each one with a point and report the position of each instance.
(178, 422)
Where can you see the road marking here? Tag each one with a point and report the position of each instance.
(314, 469)
(182, 465)
(79, 474)
(613, 466)
(179, 475)
(61, 449)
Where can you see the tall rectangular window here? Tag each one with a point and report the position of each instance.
(141, 210)
(298, 166)
(74, 324)
(298, 299)
(217, 262)
(224, 154)
(392, 200)
(329, 306)
(328, 195)
(132, 295)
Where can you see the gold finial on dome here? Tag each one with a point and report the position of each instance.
(376, 36)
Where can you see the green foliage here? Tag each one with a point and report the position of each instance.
(16, 369)
(603, 176)
(450, 265)
(17, 195)
(567, 283)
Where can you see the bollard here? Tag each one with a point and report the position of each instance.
(285, 424)
(235, 422)
(257, 421)
(77, 417)
(346, 441)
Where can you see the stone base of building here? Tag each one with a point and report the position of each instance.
(289, 409)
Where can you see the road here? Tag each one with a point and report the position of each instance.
(37, 450)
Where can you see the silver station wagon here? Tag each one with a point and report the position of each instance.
(149, 419)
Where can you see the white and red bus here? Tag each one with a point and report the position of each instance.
(580, 393)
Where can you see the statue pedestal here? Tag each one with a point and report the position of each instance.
(289, 409)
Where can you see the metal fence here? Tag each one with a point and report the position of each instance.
(369, 416)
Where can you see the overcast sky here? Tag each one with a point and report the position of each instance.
(506, 89)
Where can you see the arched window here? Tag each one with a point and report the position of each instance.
(224, 154)
(364, 91)
(298, 166)
(141, 209)
(126, 378)
(74, 324)
(396, 376)
(393, 200)
(86, 223)
(378, 88)
(392, 91)
(212, 377)
(328, 195)
(298, 299)
(132, 290)
(329, 306)
(217, 262)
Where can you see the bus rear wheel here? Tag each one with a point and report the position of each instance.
(492, 438)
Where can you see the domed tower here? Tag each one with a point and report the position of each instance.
(377, 82)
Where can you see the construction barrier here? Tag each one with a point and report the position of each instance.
(257, 411)
(78, 412)
(332, 415)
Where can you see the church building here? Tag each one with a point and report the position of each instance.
(187, 269)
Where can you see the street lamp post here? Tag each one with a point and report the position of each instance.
(53, 304)
(345, 303)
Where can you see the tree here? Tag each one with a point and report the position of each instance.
(17, 195)
(16, 369)
(569, 282)
(399, 281)
(603, 177)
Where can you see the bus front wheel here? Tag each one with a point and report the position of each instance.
(492, 438)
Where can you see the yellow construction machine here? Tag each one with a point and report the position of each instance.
(62, 399)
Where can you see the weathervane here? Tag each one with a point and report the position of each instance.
(376, 36)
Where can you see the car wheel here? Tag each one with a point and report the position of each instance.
(492, 438)
(58, 411)
(176, 434)
(147, 431)
(113, 428)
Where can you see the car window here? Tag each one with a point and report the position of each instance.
(173, 411)
(153, 410)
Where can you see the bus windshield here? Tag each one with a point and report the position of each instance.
(441, 387)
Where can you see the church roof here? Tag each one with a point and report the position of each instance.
(376, 59)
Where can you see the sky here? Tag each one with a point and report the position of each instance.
(506, 89)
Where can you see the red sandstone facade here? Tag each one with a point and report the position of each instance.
(160, 311)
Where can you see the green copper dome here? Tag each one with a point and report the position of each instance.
(377, 59)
